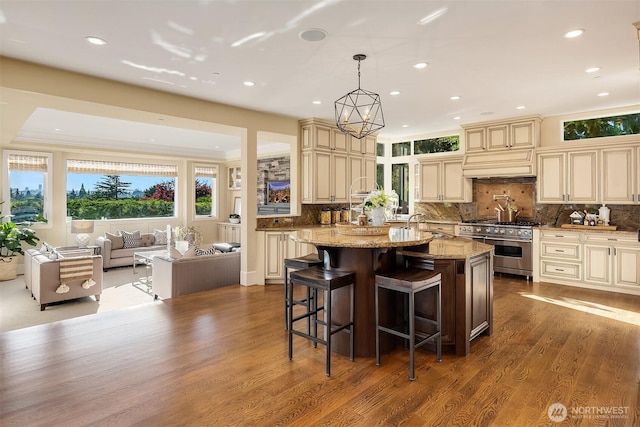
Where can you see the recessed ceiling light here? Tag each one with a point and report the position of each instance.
(394, 92)
(520, 107)
(96, 40)
(57, 129)
(405, 126)
(313, 35)
(420, 65)
(248, 83)
(317, 102)
(574, 33)
(457, 118)
(454, 98)
(152, 140)
(603, 94)
(592, 70)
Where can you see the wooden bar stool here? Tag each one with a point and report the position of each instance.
(299, 263)
(410, 281)
(318, 279)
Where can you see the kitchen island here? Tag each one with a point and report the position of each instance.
(467, 281)
(363, 255)
(466, 267)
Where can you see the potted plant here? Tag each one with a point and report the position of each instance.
(11, 239)
(234, 218)
(377, 201)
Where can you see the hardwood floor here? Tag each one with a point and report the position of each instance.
(220, 358)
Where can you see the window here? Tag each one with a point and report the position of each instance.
(379, 149)
(400, 183)
(206, 184)
(114, 190)
(437, 145)
(380, 175)
(28, 186)
(628, 124)
(400, 149)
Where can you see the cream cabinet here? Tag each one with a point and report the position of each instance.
(365, 146)
(590, 259)
(228, 232)
(612, 261)
(331, 160)
(504, 135)
(568, 177)
(442, 181)
(436, 227)
(279, 246)
(560, 256)
(620, 175)
(325, 177)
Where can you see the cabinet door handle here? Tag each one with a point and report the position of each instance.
(561, 270)
(568, 197)
(608, 251)
(560, 250)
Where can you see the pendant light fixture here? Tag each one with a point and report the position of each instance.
(359, 113)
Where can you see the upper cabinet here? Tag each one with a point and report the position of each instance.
(620, 175)
(332, 160)
(442, 181)
(501, 148)
(503, 135)
(568, 177)
(593, 175)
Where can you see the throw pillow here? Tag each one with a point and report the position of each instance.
(209, 251)
(117, 242)
(131, 240)
(160, 237)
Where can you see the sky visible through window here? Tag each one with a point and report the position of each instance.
(31, 180)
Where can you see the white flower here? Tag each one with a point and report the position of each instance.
(378, 199)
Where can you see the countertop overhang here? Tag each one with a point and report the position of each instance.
(329, 236)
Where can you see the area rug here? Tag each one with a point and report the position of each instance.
(121, 289)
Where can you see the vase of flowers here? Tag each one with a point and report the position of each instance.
(378, 201)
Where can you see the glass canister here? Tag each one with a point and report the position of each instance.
(325, 216)
(345, 215)
(335, 215)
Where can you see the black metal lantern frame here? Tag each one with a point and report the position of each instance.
(359, 112)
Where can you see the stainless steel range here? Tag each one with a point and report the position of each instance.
(512, 243)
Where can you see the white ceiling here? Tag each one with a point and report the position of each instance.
(494, 54)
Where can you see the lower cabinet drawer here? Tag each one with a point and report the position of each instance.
(569, 251)
(560, 270)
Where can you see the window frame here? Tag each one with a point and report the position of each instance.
(215, 192)
(122, 168)
(47, 206)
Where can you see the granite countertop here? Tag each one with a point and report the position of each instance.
(594, 229)
(450, 248)
(329, 236)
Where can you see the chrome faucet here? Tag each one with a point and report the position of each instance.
(422, 216)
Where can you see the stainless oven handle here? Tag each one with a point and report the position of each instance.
(487, 239)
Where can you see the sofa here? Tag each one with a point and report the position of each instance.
(114, 255)
(46, 281)
(172, 277)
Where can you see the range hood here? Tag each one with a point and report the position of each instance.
(507, 163)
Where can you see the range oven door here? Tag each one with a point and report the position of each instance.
(512, 256)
